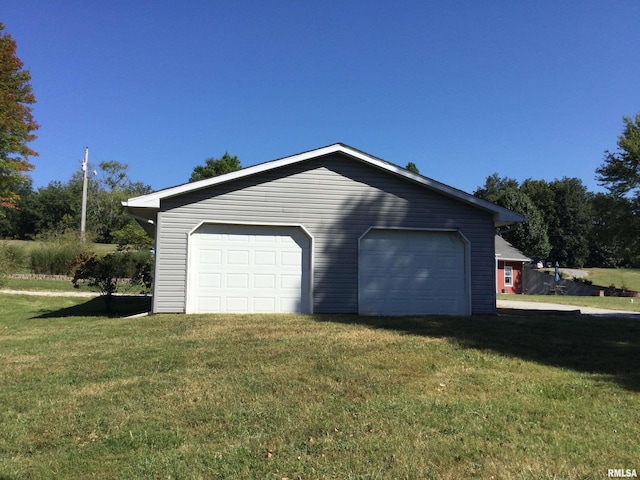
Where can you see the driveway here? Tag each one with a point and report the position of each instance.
(556, 307)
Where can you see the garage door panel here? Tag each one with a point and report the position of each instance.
(412, 272)
(237, 257)
(237, 304)
(209, 303)
(265, 258)
(249, 269)
(209, 255)
(212, 280)
(265, 305)
(264, 280)
(237, 280)
(290, 258)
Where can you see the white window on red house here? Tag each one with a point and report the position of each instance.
(508, 276)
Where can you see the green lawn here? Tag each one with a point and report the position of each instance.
(623, 278)
(611, 303)
(334, 397)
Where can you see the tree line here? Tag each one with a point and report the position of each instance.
(57, 207)
(564, 221)
(567, 223)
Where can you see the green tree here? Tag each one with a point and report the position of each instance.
(565, 206)
(611, 239)
(530, 236)
(618, 217)
(16, 121)
(19, 222)
(214, 167)
(412, 167)
(105, 216)
(132, 237)
(573, 221)
(620, 172)
(495, 188)
(55, 207)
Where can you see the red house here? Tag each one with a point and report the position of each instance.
(509, 265)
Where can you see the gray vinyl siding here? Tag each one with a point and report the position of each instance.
(336, 199)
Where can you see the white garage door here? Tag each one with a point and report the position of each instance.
(248, 269)
(413, 272)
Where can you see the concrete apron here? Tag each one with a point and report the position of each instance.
(515, 307)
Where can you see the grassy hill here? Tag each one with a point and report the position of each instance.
(623, 278)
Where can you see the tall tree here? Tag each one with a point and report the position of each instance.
(565, 208)
(618, 225)
(530, 236)
(16, 121)
(495, 188)
(612, 241)
(105, 216)
(55, 207)
(215, 166)
(620, 172)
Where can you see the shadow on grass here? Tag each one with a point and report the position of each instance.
(121, 306)
(600, 345)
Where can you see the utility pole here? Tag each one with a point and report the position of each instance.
(83, 217)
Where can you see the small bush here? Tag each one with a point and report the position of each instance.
(133, 261)
(132, 237)
(107, 272)
(5, 269)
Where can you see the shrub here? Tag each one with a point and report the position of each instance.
(132, 237)
(13, 257)
(105, 273)
(58, 254)
(11, 260)
(55, 259)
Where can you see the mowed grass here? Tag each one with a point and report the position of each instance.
(312, 397)
(623, 278)
(611, 303)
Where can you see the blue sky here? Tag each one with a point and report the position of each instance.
(528, 89)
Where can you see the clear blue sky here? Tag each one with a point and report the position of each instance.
(528, 89)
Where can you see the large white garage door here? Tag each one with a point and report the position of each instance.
(248, 269)
(413, 272)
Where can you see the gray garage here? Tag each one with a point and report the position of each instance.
(332, 230)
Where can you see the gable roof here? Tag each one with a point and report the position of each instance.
(506, 251)
(144, 205)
